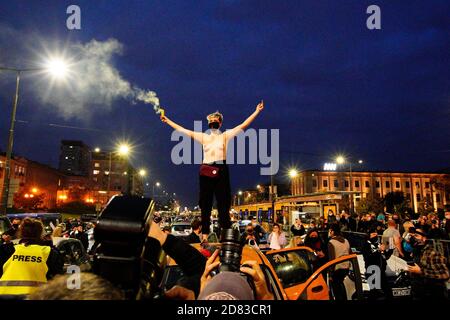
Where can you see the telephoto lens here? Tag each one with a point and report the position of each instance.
(231, 250)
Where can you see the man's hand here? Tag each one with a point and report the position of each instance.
(260, 106)
(180, 293)
(262, 292)
(415, 269)
(164, 119)
(210, 265)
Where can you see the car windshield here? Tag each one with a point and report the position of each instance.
(291, 267)
(181, 227)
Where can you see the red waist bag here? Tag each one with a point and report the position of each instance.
(209, 171)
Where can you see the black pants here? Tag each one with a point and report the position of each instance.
(221, 189)
(337, 284)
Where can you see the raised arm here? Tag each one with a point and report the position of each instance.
(194, 135)
(250, 119)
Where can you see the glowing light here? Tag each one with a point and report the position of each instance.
(340, 160)
(330, 166)
(293, 173)
(57, 67)
(142, 173)
(240, 193)
(158, 184)
(34, 190)
(97, 150)
(123, 149)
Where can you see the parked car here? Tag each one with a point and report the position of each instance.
(73, 253)
(48, 219)
(181, 229)
(289, 273)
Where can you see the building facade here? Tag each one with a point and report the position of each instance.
(416, 187)
(74, 158)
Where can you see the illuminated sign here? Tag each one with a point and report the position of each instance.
(329, 167)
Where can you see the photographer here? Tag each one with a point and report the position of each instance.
(230, 285)
(29, 264)
(199, 280)
(249, 235)
(429, 272)
(436, 232)
(375, 254)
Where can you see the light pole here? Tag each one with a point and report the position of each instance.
(153, 191)
(239, 197)
(58, 69)
(341, 160)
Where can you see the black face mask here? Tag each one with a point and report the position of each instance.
(214, 125)
(314, 239)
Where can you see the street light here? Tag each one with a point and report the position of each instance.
(142, 172)
(97, 150)
(123, 149)
(157, 184)
(57, 68)
(341, 160)
(293, 173)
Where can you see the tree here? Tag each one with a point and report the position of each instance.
(395, 202)
(369, 205)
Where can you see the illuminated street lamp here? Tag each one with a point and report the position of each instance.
(293, 173)
(123, 149)
(97, 150)
(157, 184)
(142, 172)
(58, 68)
(340, 160)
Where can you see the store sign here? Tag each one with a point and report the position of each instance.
(329, 167)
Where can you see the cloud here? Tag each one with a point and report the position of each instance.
(93, 83)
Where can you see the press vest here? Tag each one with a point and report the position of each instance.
(25, 270)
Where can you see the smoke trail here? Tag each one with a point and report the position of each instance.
(93, 85)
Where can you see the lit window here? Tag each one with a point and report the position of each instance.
(97, 165)
(96, 172)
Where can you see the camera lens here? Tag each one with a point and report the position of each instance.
(231, 250)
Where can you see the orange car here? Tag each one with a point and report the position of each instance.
(289, 273)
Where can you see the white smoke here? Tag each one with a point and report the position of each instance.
(93, 83)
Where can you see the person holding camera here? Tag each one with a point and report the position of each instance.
(249, 236)
(214, 175)
(231, 285)
(429, 272)
(436, 232)
(376, 254)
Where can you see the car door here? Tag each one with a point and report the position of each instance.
(293, 267)
(320, 284)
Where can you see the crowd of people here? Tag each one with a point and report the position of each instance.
(387, 235)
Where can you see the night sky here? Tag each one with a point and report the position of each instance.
(329, 84)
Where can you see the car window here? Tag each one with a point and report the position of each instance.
(291, 267)
(4, 226)
(181, 227)
(72, 252)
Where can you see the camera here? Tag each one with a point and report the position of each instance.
(230, 251)
(123, 253)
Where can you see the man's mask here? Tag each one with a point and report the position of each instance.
(214, 125)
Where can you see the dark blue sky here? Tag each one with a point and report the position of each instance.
(329, 84)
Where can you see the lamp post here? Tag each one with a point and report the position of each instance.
(153, 191)
(57, 68)
(341, 160)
